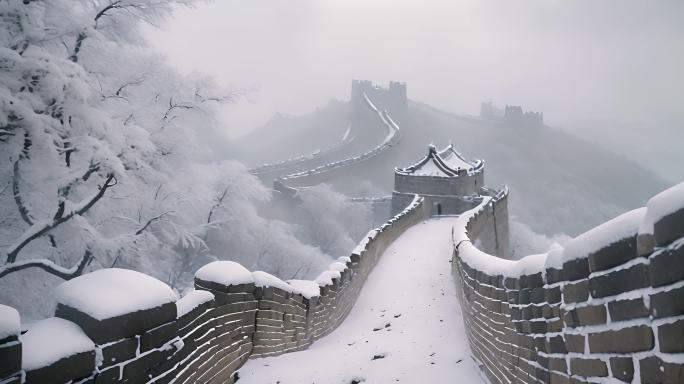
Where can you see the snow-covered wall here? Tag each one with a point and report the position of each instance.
(301, 163)
(116, 325)
(365, 98)
(609, 307)
(324, 172)
(465, 184)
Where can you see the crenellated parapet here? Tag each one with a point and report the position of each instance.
(514, 116)
(608, 307)
(115, 325)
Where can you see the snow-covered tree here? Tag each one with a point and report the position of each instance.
(65, 145)
(107, 158)
(334, 223)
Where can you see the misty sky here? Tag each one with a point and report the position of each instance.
(574, 60)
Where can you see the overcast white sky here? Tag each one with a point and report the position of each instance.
(574, 60)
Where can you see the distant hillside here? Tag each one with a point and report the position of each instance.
(559, 183)
(655, 144)
(284, 137)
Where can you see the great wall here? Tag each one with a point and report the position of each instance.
(608, 307)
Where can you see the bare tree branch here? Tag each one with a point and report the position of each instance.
(84, 35)
(18, 199)
(44, 226)
(134, 82)
(65, 190)
(77, 47)
(118, 94)
(50, 267)
(150, 221)
(228, 98)
(10, 128)
(218, 201)
(173, 106)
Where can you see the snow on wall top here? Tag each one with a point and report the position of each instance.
(599, 237)
(666, 202)
(263, 279)
(325, 278)
(361, 246)
(619, 228)
(232, 273)
(338, 266)
(191, 301)
(628, 224)
(9, 322)
(306, 288)
(344, 259)
(474, 257)
(225, 272)
(112, 292)
(50, 340)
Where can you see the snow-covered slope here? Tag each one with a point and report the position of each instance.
(406, 325)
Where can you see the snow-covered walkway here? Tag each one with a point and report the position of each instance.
(406, 326)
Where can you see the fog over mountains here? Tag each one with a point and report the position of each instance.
(559, 182)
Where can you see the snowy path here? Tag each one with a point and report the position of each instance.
(406, 326)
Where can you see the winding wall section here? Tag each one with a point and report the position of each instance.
(289, 184)
(204, 337)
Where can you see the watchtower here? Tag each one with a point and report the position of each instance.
(445, 178)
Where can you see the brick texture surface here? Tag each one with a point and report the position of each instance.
(584, 322)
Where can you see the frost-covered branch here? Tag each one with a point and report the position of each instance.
(42, 227)
(8, 130)
(18, 198)
(66, 189)
(228, 98)
(142, 10)
(50, 267)
(218, 201)
(2, 191)
(152, 220)
(119, 91)
(173, 106)
(84, 35)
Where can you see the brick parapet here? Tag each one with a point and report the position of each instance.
(615, 313)
(209, 341)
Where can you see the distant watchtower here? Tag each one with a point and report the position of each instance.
(444, 177)
(393, 99)
(514, 116)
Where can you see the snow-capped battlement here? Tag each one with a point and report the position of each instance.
(115, 325)
(606, 308)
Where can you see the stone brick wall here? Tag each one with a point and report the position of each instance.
(488, 229)
(613, 312)
(207, 335)
(464, 185)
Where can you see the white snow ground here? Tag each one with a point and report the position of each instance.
(406, 326)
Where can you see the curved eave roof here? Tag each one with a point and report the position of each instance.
(451, 157)
(445, 163)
